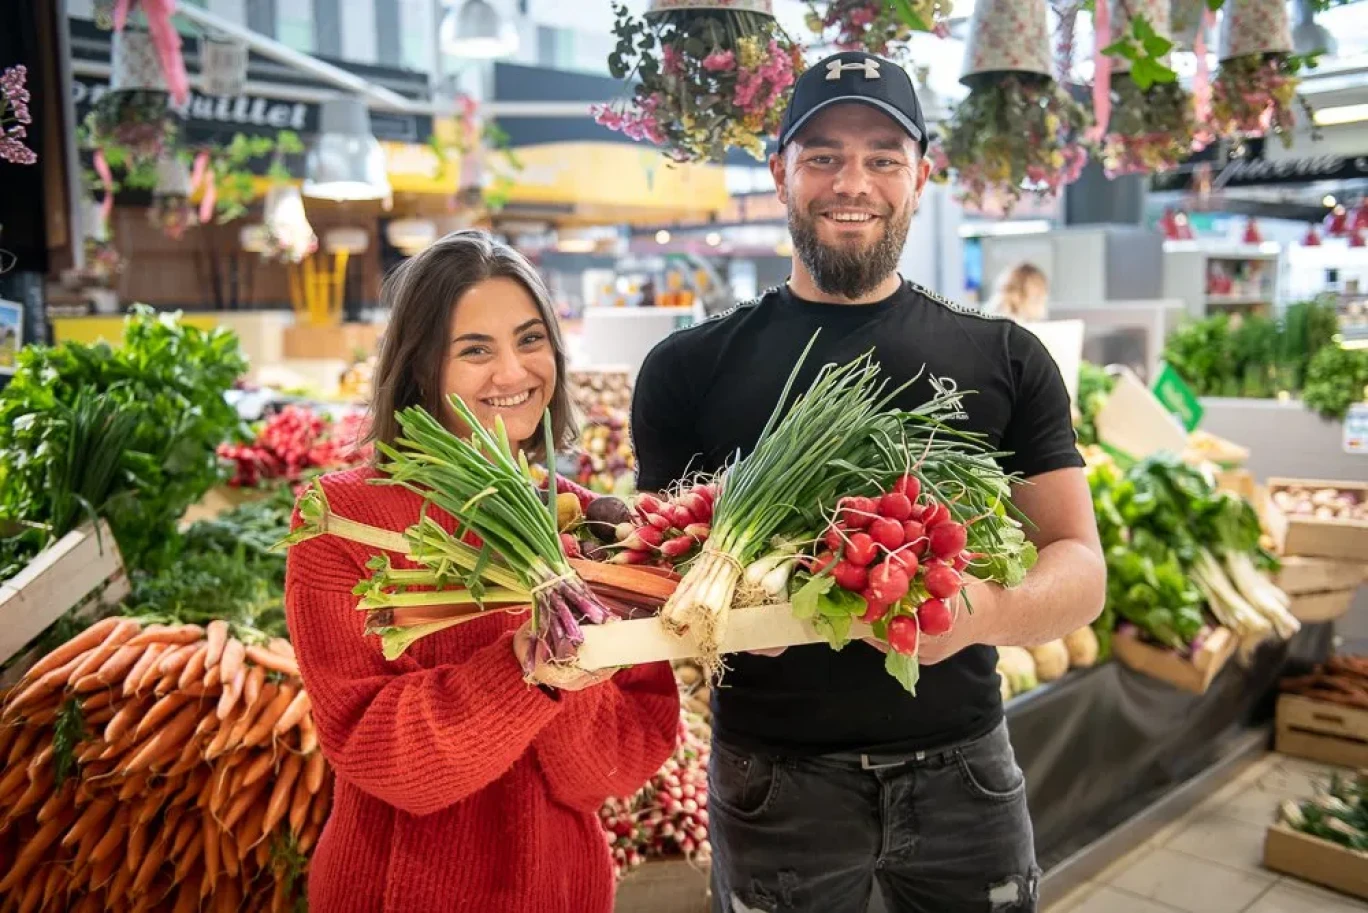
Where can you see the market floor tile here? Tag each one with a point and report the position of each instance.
(1191, 884)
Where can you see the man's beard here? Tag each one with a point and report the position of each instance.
(848, 271)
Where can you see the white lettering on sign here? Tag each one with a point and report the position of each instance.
(242, 109)
(1253, 171)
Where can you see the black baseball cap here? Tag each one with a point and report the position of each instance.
(854, 76)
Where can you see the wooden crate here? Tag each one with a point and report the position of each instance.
(83, 564)
(1321, 731)
(1315, 608)
(1300, 575)
(1316, 860)
(664, 886)
(223, 498)
(1296, 535)
(1190, 673)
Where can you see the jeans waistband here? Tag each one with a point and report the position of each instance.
(932, 757)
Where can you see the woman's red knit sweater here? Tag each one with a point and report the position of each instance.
(459, 786)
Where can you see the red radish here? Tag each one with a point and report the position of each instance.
(895, 506)
(644, 537)
(707, 493)
(677, 547)
(697, 531)
(948, 540)
(857, 513)
(622, 531)
(906, 559)
(570, 545)
(961, 561)
(822, 562)
(699, 509)
(659, 521)
(849, 576)
(680, 515)
(935, 515)
(834, 538)
(942, 582)
(874, 609)
(902, 635)
(886, 532)
(909, 486)
(648, 504)
(630, 556)
(861, 549)
(934, 617)
(888, 582)
(913, 534)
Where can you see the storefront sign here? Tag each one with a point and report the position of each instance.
(1255, 171)
(1177, 397)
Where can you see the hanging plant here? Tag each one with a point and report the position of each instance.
(1018, 132)
(1016, 135)
(876, 26)
(14, 117)
(714, 74)
(475, 145)
(1255, 90)
(103, 264)
(1149, 124)
(136, 120)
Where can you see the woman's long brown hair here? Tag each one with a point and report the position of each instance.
(420, 294)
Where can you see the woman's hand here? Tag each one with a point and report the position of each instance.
(562, 678)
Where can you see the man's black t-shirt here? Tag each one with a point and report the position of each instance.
(705, 392)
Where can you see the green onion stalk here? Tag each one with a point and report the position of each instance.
(841, 438)
(493, 494)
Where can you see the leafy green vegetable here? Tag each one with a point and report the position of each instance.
(904, 668)
(1336, 378)
(807, 593)
(68, 732)
(1094, 386)
(153, 408)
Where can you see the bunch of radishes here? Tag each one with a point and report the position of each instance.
(659, 531)
(669, 816)
(903, 554)
(294, 440)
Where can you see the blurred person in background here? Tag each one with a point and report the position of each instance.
(1022, 293)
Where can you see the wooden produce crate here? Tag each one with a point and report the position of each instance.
(1190, 673)
(1315, 860)
(664, 886)
(1316, 608)
(1321, 731)
(1300, 575)
(1307, 536)
(645, 640)
(83, 564)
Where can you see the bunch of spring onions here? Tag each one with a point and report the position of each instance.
(840, 435)
(493, 495)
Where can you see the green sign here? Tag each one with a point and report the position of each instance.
(1177, 397)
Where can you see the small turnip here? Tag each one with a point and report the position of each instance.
(935, 617)
(902, 635)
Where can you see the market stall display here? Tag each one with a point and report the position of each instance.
(1323, 715)
(1318, 518)
(296, 442)
(1322, 839)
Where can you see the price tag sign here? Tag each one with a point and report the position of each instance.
(1177, 397)
(1356, 429)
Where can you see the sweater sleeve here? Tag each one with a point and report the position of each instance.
(611, 738)
(420, 739)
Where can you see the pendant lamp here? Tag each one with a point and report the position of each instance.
(346, 161)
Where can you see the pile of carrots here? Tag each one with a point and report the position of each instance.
(159, 767)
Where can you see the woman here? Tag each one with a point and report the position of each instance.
(1022, 293)
(461, 786)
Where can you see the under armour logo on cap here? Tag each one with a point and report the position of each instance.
(870, 66)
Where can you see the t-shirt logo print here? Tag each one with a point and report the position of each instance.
(870, 67)
(949, 387)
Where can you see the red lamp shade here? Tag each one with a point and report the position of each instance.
(1252, 235)
(1337, 222)
(1313, 238)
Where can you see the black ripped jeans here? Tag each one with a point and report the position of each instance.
(944, 832)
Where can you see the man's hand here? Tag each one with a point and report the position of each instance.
(964, 632)
(556, 676)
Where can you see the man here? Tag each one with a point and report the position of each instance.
(825, 773)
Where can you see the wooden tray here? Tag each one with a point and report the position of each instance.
(664, 886)
(1315, 608)
(1316, 860)
(1321, 731)
(1319, 575)
(84, 563)
(646, 640)
(1194, 673)
(1345, 539)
